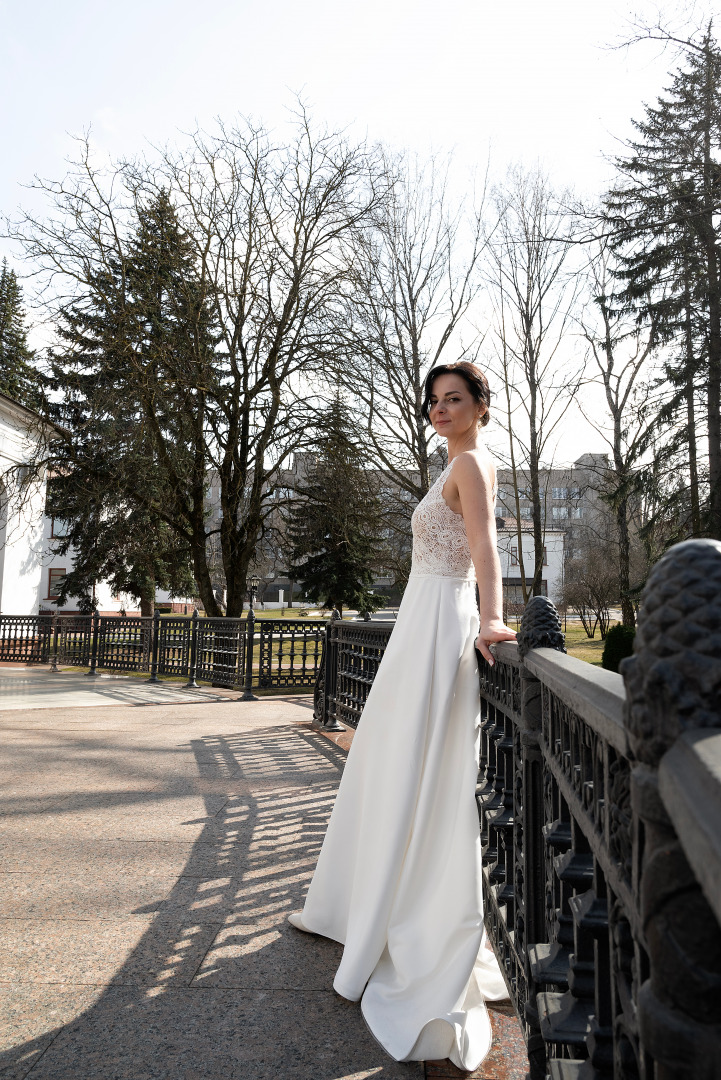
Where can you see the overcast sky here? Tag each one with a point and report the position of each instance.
(526, 80)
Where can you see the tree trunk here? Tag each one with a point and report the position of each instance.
(710, 169)
(691, 414)
(534, 470)
(714, 392)
(628, 616)
(147, 606)
(203, 580)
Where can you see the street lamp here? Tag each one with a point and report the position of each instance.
(254, 586)
(248, 694)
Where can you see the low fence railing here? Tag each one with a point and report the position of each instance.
(242, 653)
(599, 800)
(352, 654)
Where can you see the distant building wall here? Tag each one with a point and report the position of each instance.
(21, 511)
(508, 553)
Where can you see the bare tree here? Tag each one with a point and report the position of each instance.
(591, 586)
(415, 276)
(270, 225)
(534, 295)
(621, 353)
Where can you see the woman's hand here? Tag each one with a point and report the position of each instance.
(495, 631)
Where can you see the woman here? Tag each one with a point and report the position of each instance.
(398, 879)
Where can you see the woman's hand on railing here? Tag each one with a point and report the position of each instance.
(489, 635)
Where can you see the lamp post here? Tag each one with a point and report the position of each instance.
(254, 586)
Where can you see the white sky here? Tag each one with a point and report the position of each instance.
(531, 80)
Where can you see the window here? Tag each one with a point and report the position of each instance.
(514, 556)
(526, 511)
(545, 555)
(577, 512)
(58, 528)
(55, 577)
(574, 493)
(559, 512)
(559, 492)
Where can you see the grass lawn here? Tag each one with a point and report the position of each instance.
(582, 647)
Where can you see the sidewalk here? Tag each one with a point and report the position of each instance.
(150, 858)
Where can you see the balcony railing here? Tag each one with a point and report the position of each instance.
(600, 817)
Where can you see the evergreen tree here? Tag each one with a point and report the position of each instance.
(335, 524)
(19, 378)
(132, 376)
(664, 216)
(127, 546)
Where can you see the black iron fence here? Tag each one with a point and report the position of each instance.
(353, 651)
(599, 800)
(249, 653)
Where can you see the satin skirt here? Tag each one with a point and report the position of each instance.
(398, 879)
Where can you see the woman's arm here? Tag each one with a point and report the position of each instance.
(472, 476)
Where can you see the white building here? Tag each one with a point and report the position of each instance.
(512, 554)
(55, 567)
(22, 502)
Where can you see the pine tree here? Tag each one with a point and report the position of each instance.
(665, 221)
(19, 378)
(132, 375)
(335, 523)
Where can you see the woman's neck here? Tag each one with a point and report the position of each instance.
(470, 440)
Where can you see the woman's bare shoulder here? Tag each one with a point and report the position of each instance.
(475, 465)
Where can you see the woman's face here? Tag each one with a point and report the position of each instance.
(452, 407)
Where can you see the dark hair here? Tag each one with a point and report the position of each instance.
(474, 378)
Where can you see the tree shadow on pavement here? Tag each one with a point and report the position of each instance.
(214, 983)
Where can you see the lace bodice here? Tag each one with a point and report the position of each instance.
(440, 544)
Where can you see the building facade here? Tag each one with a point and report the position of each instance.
(22, 502)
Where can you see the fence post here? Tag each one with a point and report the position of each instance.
(191, 683)
(154, 656)
(94, 649)
(248, 694)
(331, 722)
(54, 669)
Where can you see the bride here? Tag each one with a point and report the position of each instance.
(398, 879)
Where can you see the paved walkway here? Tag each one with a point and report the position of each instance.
(149, 859)
(24, 687)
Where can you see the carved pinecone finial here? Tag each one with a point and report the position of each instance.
(540, 627)
(673, 680)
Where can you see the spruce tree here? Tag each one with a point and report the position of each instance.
(335, 523)
(131, 377)
(19, 378)
(664, 217)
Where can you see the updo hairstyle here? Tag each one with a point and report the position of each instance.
(474, 378)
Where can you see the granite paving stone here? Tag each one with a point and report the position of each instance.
(506, 1060)
(32, 1016)
(85, 856)
(208, 1034)
(264, 951)
(135, 950)
(102, 893)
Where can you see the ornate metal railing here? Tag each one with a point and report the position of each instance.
(600, 813)
(351, 656)
(249, 653)
(25, 639)
(601, 827)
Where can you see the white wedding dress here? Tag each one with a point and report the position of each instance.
(398, 879)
